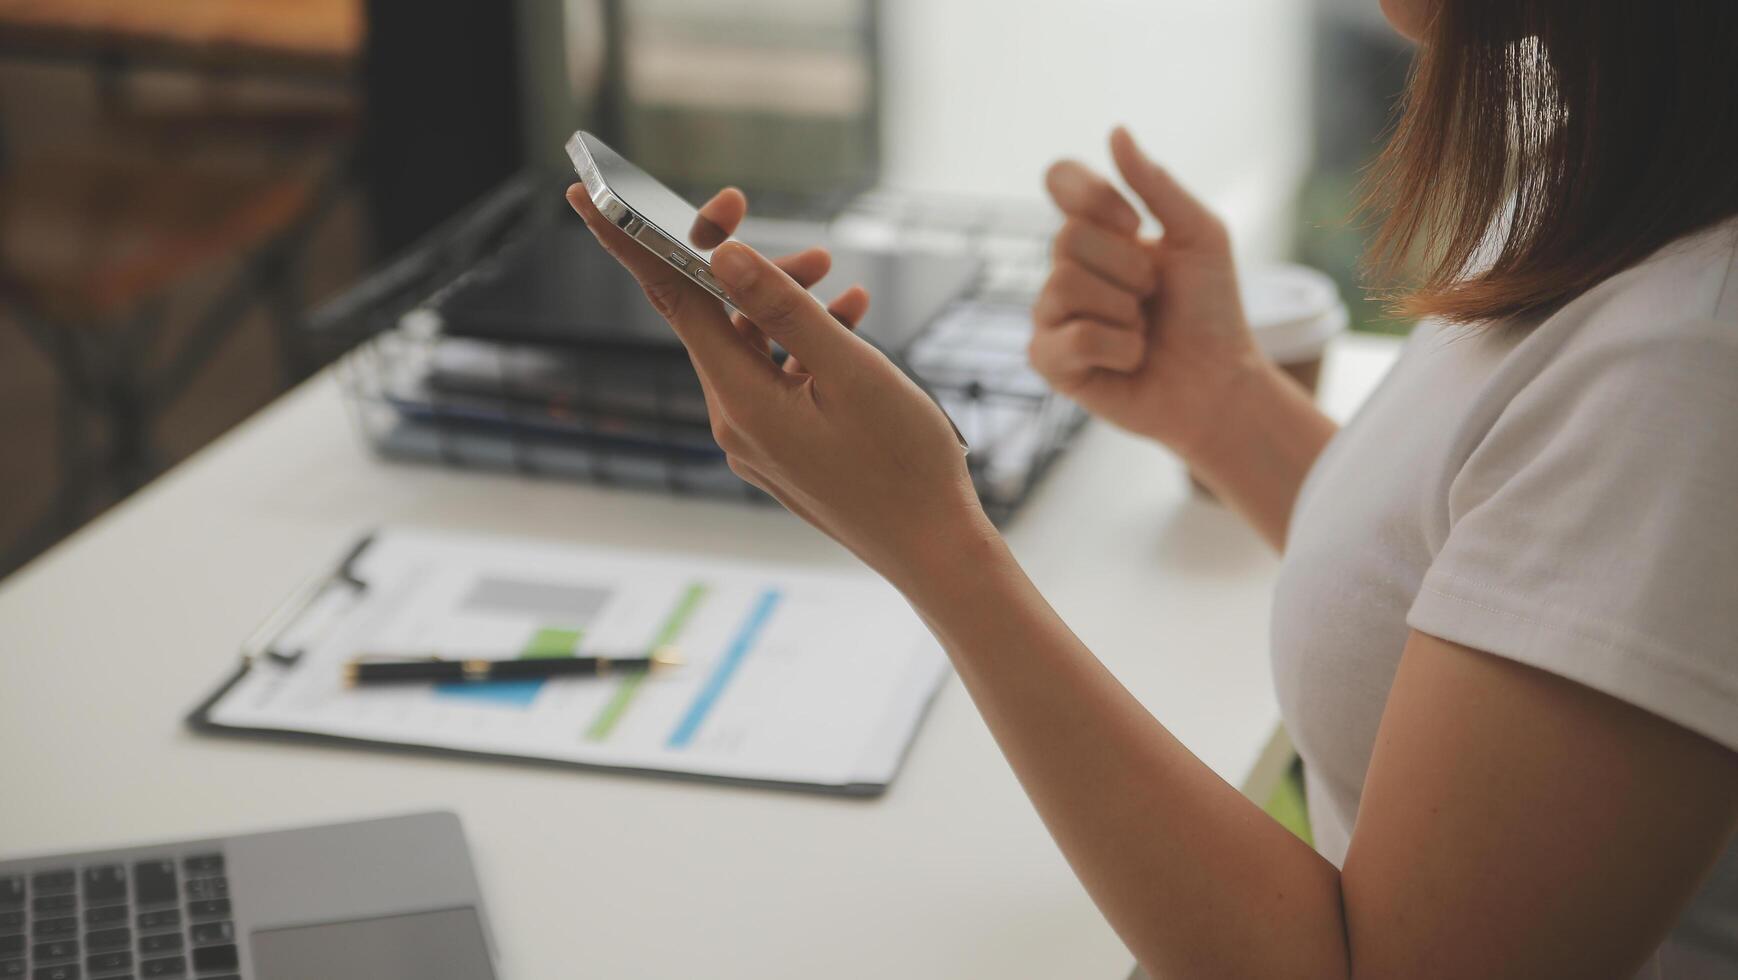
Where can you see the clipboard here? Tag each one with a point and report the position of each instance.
(302, 633)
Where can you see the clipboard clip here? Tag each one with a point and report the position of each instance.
(303, 618)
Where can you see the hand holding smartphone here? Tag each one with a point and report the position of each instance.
(837, 432)
(655, 214)
(668, 226)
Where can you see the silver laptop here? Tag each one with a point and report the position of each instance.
(389, 899)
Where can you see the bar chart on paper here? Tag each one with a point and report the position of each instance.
(787, 675)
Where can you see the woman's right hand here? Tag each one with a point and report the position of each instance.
(1146, 333)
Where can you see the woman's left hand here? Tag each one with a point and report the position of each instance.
(839, 435)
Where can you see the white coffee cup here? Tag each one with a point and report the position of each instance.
(1294, 312)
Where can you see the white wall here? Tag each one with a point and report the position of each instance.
(981, 95)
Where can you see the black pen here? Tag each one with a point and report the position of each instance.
(379, 669)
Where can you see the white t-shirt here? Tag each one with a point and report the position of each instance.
(1564, 496)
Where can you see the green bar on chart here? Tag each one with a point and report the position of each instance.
(667, 633)
(549, 642)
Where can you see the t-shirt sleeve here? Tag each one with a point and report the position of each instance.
(1593, 530)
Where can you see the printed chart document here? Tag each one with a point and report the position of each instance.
(788, 675)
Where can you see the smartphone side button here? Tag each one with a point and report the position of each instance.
(706, 280)
(677, 259)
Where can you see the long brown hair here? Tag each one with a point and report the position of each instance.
(1545, 145)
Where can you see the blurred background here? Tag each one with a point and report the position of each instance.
(185, 186)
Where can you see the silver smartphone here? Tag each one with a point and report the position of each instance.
(658, 218)
(669, 226)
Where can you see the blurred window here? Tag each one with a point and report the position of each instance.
(776, 96)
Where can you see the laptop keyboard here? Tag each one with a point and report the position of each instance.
(157, 918)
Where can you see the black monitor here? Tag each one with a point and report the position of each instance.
(441, 114)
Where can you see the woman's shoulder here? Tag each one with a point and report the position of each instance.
(1688, 290)
(1674, 312)
(1651, 350)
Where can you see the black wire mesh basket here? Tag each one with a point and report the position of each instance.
(635, 418)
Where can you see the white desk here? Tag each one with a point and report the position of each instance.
(108, 640)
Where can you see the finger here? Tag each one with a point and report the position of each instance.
(1185, 219)
(752, 334)
(783, 310)
(1074, 291)
(1121, 259)
(1080, 193)
(718, 219)
(807, 268)
(697, 318)
(849, 308)
(1079, 347)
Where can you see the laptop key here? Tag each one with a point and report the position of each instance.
(10, 921)
(53, 904)
(204, 888)
(105, 883)
(120, 959)
(203, 864)
(60, 949)
(211, 908)
(65, 971)
(52, 928)
(209, 958)
(108, 915)
(154, 882)
(117, 938)
(11, 968)
(11, 892)
(168, 942)
(205, 933)
(160, 919)
(44, 882)
(11, 946)
(168, 966)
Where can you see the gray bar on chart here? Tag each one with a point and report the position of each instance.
(570, 605)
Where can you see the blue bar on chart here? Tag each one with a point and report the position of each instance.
(722, 671)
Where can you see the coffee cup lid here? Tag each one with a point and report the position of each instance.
(1293, 310)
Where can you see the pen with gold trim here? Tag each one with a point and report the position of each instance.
(382, 669)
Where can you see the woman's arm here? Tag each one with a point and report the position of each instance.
(1196, 880)
(1149, 334)
(1263, 444)
(1514, 824)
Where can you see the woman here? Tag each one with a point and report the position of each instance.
(1506, 633)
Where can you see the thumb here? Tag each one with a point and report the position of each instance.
(1186, 221)
(783, 310)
